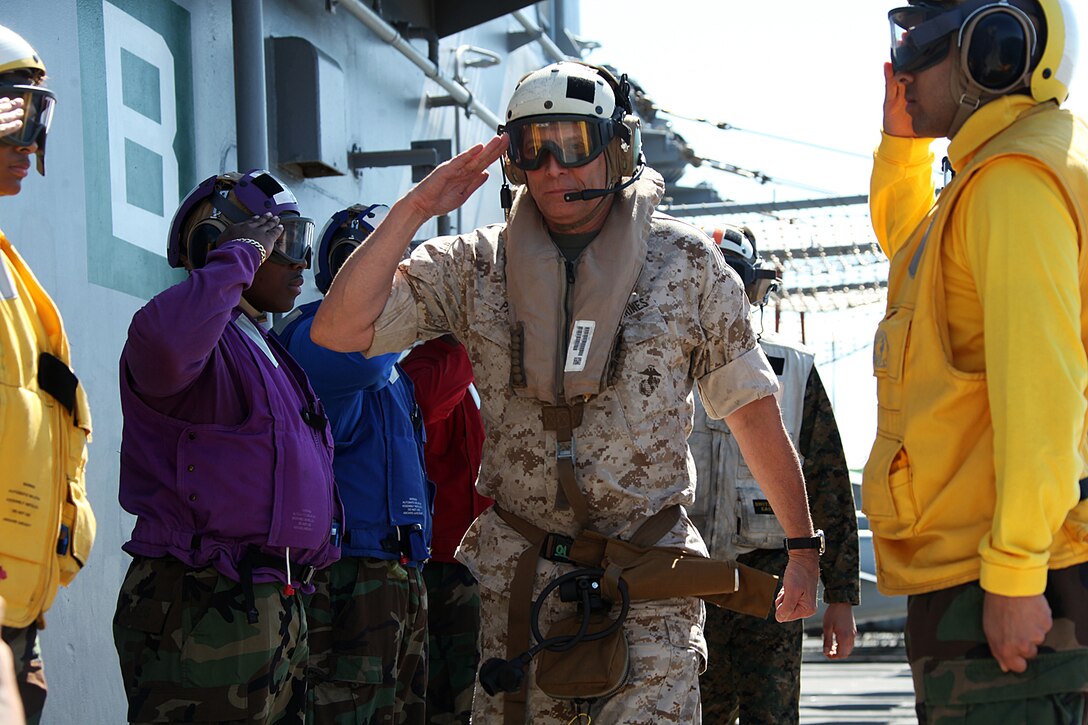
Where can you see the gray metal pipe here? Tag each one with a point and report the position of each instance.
(250, 97)
(550, 48)
(388, 34)
(683, 210)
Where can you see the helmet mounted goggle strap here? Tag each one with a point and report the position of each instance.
(571, 140)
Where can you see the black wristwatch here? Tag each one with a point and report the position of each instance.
(807, 542)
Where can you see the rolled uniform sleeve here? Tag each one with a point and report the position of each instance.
(830, 495)
(730, 367)
(427, 297)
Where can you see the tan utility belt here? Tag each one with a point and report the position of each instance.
(649, 572)
(653, 572)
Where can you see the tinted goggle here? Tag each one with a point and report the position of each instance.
(572, 141)
(38, 104)
(295, 245)
(921, 35)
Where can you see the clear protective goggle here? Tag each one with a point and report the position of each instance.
(295, 245)
(571, 140)
(38, 104)
(921, 35)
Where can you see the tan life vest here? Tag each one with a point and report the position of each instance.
(46, 524)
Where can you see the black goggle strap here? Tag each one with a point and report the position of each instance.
(227, 208)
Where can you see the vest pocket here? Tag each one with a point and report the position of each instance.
(757, 525)
(887, 493)
(889, 351)
(77, 532)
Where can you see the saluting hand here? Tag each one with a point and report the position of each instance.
(897, 122)
(265, 229)
(453, 182)
(11, 115)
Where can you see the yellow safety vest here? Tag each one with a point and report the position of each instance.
(928, 487)
(46, 524)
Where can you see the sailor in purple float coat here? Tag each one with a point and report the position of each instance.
(216, 453)
(226, 460)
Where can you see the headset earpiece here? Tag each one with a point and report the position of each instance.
(202, 240)
(996, 46)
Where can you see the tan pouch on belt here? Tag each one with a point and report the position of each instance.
(588, 670)
(661, 573)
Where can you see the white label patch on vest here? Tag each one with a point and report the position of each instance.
(7, 283)
(580, 340)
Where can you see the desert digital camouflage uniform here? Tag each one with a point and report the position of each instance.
(754, 669)
(370, 669)
(957, 680)
(185, 634)
(687, 321)
(453, 643)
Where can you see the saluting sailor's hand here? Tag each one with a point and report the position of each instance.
(264, 229)
(453, 182)
(897, 122)
(11, 115)
(797, 598)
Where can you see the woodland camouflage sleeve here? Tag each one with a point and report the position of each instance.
(830, 495)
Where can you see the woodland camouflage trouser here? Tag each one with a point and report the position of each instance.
(754, 667)
(956, 680)
(189, 654)
(368, 644)
(453, 640)
(29, 672)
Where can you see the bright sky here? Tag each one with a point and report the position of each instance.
(793, 68)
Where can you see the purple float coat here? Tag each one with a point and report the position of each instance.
(216, 454)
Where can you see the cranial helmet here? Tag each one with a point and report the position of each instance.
(1001, 50)
(738, 246)
(219, 201)
(21, 70)
(575, 112)
(345, 231)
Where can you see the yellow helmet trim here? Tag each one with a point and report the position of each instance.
(1051, 77)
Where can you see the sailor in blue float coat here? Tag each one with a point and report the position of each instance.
(372, 605)
(379, 445)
